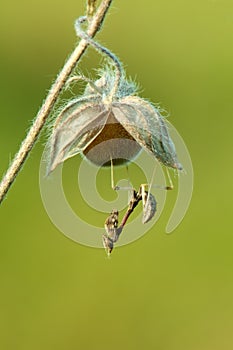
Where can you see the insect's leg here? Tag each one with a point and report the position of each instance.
(170, 186)
(130, 187)
(170, 183)
(112, 177)
(148, 200)
(161, 187)
(115, 187)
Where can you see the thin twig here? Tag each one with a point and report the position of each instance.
(136, 198)
(31, 138)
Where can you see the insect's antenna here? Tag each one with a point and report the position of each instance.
(101, 49)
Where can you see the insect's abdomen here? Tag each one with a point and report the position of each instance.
(113, 142)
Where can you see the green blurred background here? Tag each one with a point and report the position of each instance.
(163, 291)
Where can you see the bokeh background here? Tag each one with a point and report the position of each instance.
(163, 291)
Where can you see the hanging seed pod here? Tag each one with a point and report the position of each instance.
(102, 131)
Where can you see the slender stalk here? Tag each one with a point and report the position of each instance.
(132, 205)
(104, 50)
(95, 23)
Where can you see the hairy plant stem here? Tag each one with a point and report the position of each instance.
(95, 23)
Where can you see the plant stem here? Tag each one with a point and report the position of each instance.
(31, 137)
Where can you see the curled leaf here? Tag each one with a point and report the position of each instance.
(149, 206)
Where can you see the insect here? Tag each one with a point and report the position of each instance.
(113, 231)
(109, 125)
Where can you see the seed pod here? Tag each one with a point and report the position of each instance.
(114, 130)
